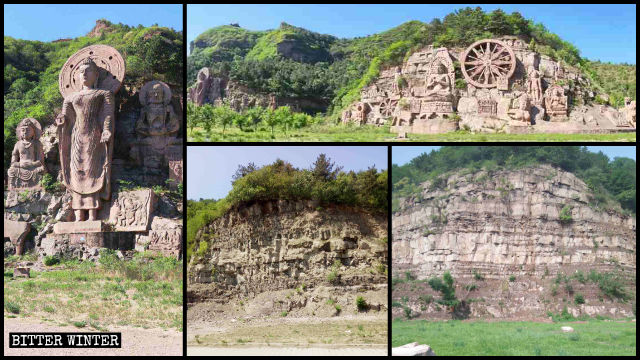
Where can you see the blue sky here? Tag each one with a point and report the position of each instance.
(401, 155)
(601, 31)
(47, 22)
(211, 168)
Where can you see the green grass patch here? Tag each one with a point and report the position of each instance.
(454, 338)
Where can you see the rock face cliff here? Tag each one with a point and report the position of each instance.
(517, 229)
(272, 246)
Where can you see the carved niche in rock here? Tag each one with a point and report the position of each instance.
(487, 63)
(157, 116)
(556, 102)
(27, 157)
(88, 81)
(487, 107)
(131, 210)
(439, 83)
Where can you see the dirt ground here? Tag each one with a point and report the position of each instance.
(284, 351)
(344, 335)
(135, 341)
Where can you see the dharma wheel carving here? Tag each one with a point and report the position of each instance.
(387, 107)
(487, 61)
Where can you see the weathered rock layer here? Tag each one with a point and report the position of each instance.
(508, 223)
(271, 246)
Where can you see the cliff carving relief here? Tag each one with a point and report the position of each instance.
(424, 96)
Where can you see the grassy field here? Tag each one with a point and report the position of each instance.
(595, 337)
(144, 292)
(341, 133)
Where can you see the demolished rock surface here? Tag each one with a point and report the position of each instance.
(284, 252)
(507, 224)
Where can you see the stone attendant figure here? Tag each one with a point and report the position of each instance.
(27, 158)
(534, 85)
(156, 116)
(85, 132)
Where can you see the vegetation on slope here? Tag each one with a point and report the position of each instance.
(612, 181)
(323, 182)
(31, 70)
(616, 80)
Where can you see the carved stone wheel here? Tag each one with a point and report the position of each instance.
(487, 60)
(387, 106)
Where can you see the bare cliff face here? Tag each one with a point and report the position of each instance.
(507, 226)
(270, 247)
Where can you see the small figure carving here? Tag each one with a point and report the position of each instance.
(85, 127)
(130, 210)
(360, 113)
(556, 101)
(273, 102)
(156, 116)
(534, 85)
(523, 112)
(27, 158)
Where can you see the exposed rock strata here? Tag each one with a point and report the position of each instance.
(278, 245)
(508, 223)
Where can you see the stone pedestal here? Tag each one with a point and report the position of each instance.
(76, 227)
(75, 244)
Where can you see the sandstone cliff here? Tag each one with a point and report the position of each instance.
(333, 252)
(508, 223)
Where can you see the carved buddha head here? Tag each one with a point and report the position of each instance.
(26, 130)
(157, 94)
(89, 73)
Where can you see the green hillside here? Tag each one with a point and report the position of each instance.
(31, 70)
(613, 182)
(341, 67)
(323, 182)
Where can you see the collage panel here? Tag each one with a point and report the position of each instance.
(410, 72)
(287, 250)
(503, 246)
(93, 199)
(513, 250)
